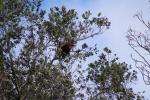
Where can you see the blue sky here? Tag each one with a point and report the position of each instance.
(120, 14)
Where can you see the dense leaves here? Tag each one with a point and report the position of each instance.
(111, 79)
(25, 72)
(30, 63)
(42, 59)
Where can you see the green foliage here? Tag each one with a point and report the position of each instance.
(28, 69)
(1, 5)
(31, 65)
(111, 79)
(64, 25)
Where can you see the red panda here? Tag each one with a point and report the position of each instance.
(65, 49)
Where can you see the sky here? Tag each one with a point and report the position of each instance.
(121, 15)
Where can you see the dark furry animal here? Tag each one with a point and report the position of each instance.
(65, 49)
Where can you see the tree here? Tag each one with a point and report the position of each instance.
(31, 63)
(140, 43)
(110, 79)
(25, 72)
(40, 58)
